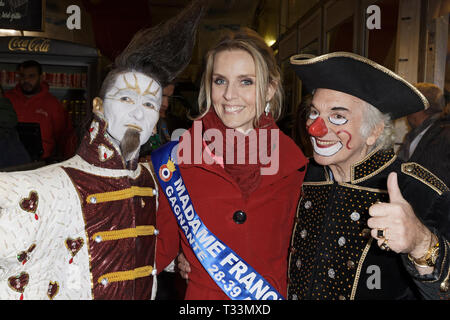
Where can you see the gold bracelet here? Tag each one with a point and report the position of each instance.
(420, 265)
(429, 258)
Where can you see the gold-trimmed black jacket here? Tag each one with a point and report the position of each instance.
(334, 257)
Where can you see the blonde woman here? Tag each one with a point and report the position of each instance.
(244, 180)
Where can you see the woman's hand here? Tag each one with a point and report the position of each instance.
(183, 266)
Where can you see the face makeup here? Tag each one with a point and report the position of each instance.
(132, 102)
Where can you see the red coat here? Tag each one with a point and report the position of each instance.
(262, 240)
(45, 109)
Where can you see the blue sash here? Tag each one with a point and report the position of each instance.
(230, 272)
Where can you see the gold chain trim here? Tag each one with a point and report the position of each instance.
(409, 168)
(126, 275)
(444, 260)
(120, 194)
(351, 186)
(327, 174)
(358, 271)
(317, 183)
(293, 237)
(384, 166)
(365, 158)
(444, 284)
(125, 233)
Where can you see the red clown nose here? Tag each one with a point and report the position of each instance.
(318, 128)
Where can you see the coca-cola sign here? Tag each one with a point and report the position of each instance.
(29, 44)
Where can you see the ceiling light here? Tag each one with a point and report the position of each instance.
(270, 42)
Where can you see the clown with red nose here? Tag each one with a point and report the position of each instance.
(318, 129)
(368, 226)
(334, 123)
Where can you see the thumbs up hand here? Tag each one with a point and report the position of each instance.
(402, 230)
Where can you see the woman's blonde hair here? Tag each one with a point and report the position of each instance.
(267, 72)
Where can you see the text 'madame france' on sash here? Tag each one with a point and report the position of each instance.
(230, 272)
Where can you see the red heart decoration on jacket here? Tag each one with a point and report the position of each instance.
(23, 256)
(18, 283)
(53, 288)
(74, 245)
(30, 204)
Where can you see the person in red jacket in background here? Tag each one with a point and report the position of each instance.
(34, 103)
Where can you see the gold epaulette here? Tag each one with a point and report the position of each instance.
(422, 174)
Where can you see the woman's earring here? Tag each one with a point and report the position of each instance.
(267, 109)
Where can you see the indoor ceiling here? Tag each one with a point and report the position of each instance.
(236, 10)
(115, 21)
(109, 16)
(108, 25)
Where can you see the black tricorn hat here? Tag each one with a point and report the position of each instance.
(360, 77)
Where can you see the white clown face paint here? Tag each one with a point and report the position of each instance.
(334, 124)
(133, 101)
(325, 148)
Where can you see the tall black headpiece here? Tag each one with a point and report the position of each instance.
(163, 51)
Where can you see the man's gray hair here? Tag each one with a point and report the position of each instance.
(371, 118)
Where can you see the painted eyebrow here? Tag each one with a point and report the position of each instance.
(340, 109)
(132, 92)
(311, 105)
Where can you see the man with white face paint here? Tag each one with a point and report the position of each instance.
(131, 108)
(368, 226)
(85, 228)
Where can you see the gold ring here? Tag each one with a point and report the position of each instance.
(384, 245)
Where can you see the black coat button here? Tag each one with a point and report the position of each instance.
(239, 217)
